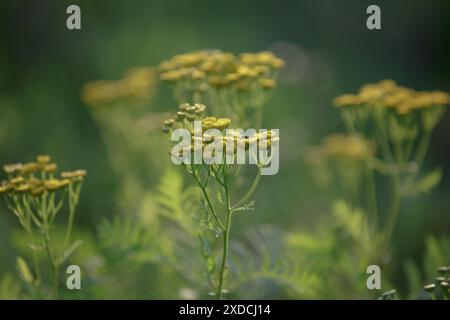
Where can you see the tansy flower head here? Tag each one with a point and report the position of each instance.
(43, 159)
(12, 168)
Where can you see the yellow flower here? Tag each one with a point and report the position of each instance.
(50, 168)
(55, 184)
(198, 75)
(22, 188)
(267, 83)
(340, 146)
(216, 81)
(37, 191)
(221, 123)
(34, 182)
(76, 175)
(43, 159)
(208, 122)
(30, 167)
(439, 98)
(347, 100)
(12, 168)
(17, 180)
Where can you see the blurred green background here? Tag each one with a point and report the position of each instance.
(328, 51)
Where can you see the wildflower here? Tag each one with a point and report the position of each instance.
(190, 109)
(444, 270)
(232, 77)
(137, 83)
(347, 100)
(76, 175)
(43, 159)
(52, 185)
(4, 189)
(208, 122)
(37, 191)
(50, 168)
(199, 109)
(17, 180)
(429, 287)
(340, 146)
(267, 83)
(34, 182)
(217, 81)
(12, 168)
(221, 123)
(22, 188)
(180, 115)
(30, 167)
(36, 214)
(169, 122)
(198, 75)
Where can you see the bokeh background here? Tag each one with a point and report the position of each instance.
(328, 51)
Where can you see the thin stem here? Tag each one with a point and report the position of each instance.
(208, 200)
(226, 239)
(250, 191)
(53, 264)
(372, 197)
(73, 201)
(423, 148)
(394, 211)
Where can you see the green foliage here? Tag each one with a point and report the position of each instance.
(10, 289)
(261, 268)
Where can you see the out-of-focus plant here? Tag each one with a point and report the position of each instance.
(339, 165)
(36, 196)
(214, 176)
(440, 288)
(389, 129)
(437, 253)
(233, 86)
(341, 248)
(400, 122)
(120, 109)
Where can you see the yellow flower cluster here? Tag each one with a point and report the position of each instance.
(187, 113)
(342, 146)
(138, 83)
(227, 144)
(219, 69)
(388, 94)
(37, 177)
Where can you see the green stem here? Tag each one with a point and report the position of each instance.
(394, 211)
(226, 239)
(73, 201)
(53, 264)
(250, 191)
(423, 148)
(372, 197)
(208, 200)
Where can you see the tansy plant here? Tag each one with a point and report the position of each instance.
(214, 176)
(340, 162)
(439, 289)
(235, 86)
(399, 121)
(37, 196)
(120, 109)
